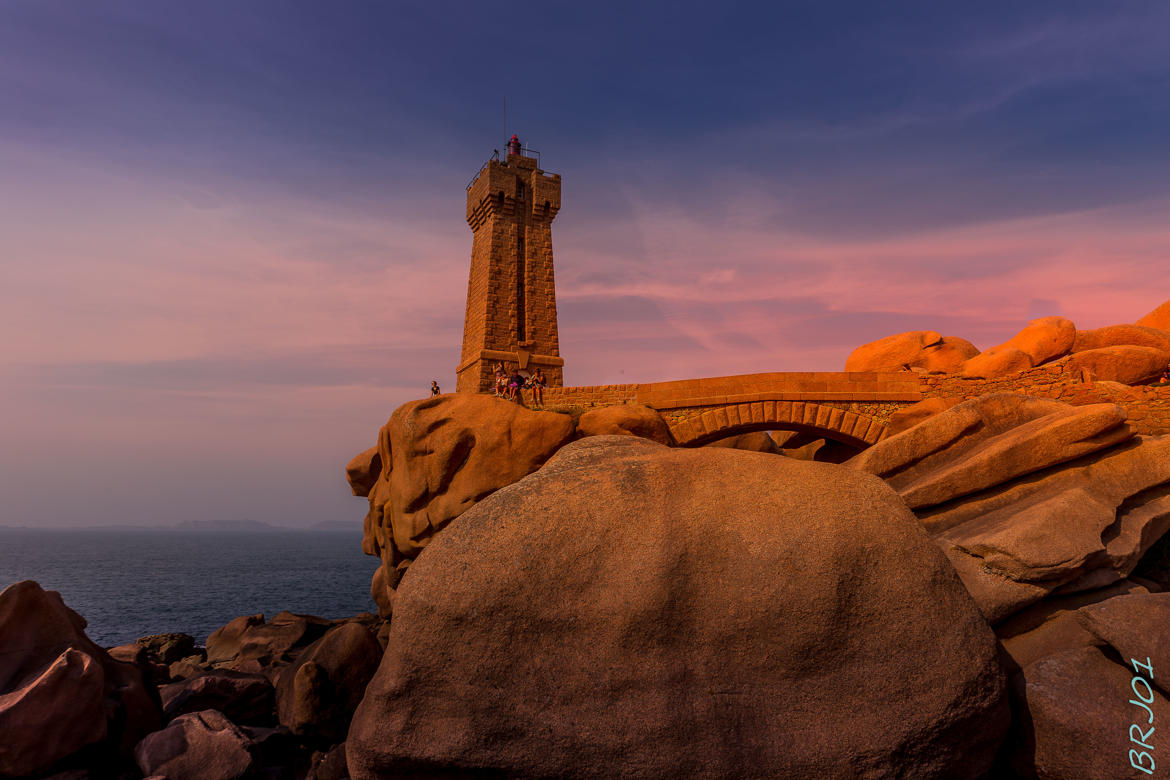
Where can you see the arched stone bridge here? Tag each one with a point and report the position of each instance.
(851, 408)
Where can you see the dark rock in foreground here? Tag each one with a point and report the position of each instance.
(60, 692)
(198, 746)
(317, 693)
(631, 610)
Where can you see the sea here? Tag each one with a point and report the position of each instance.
(132, 583)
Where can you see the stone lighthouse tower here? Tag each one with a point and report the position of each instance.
(511, 297)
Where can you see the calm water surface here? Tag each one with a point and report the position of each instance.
(129, 584)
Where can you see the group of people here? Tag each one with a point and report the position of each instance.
(512, 386)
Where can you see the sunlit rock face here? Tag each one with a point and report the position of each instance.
(1028, 496)
(1129, 354)
(436, 459)
(923, 349)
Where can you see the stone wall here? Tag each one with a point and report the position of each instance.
(873, 396)
(589, 396)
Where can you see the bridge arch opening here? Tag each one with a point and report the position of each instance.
(799, 445)
(852, 429)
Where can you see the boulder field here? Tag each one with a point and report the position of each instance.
(265, 699)
(1128, 354)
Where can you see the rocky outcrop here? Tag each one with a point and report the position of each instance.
(274, 642)
(1122, 336)
(1029, 496)
(1074, 717)
(198, 746)
(1129, 365)
(224, 643)
(625, 420)
(166, 649)
(329, 765)
(1134, 625)
(317, 694)
(1112, 354)
(363, 471)
(996, 362)
(636, 610)
(1041, 341)
(923, 349)
(1044, 339)
(1159, 318)
(246, 699)
(439, 457)
(1055, 624)
(59, 692)
(759, 441)
(906, 418)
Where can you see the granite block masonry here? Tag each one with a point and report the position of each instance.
(511, 297)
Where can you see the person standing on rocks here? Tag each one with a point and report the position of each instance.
(501, 380)
(435, 388)
(538, 384)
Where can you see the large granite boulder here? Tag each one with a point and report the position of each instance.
(224, 643)
(1159, 318)
(1029, 496)
(198, 746)
(758, 441)
(60, 692)
(632, 610)
(923, 349)
(438, 458)
(1041, 341)
(363, 471)
(1044, 339)
(1057, 624)
(1074, 718)
(165, 649)
(996, 363)
(1134, 625)
(1129, 365)
(278, 640)
(907, 417)
(625, 420)
(244, 698)
(1122, 336)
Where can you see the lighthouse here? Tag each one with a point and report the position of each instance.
(511, 314)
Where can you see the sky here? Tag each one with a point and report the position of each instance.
(233, 239)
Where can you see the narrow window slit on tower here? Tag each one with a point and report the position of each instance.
(521, 273)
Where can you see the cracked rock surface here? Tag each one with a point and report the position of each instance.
(1029, 496)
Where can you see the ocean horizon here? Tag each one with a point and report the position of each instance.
(129, 582)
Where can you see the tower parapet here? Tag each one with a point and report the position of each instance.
(511, 294)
